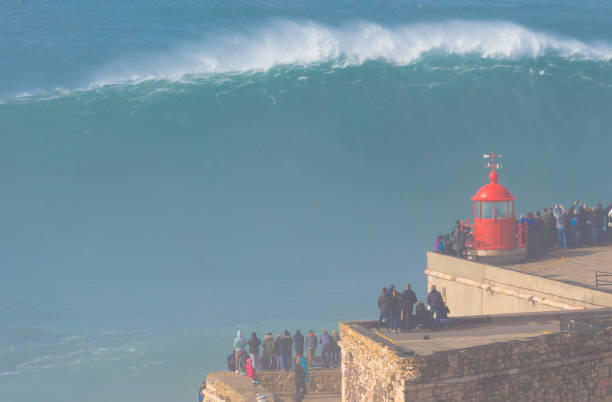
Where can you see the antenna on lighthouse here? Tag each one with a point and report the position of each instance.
(493, 164)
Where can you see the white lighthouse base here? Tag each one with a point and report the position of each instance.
(498, 257)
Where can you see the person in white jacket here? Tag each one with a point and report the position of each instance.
(239, 348)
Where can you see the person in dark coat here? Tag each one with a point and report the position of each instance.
(384, 304)
(231, 362)
(549, 228)
(298, 343)
(531, 236)
(278, 352)
(540, 234)
(598, 217)
(300, 382)
(444, 319)
(408, 301)
(435, 302)
(287, 349)
(458, 238)
(254, 343)
(420, 314)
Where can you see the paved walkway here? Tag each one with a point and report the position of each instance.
(574, 265)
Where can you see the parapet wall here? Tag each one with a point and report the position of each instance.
(560, 366)
(230, 387)
(224, 386)
(321, 381)
(472, 288)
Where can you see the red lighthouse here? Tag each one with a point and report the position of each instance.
(497, 237)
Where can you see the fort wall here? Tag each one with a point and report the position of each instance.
(574, 364)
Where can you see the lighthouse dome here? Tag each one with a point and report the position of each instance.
(493, 191)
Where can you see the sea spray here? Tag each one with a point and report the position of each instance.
(286, 42)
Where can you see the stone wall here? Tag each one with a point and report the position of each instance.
(230, 387)
(560, 366)
(372, 368)
(321, 381)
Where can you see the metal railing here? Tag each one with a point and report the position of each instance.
(602, 282)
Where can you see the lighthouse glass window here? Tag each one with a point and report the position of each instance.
(486, 210)
(501, 210)
(494, 210)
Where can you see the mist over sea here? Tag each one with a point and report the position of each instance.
(173, 171)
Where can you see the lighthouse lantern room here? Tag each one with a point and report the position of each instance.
(495, 231)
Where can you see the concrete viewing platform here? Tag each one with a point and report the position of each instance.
(565, 280)
(467, 336)
(574, 266)
(471, 332)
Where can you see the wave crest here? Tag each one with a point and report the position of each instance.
(283, 42)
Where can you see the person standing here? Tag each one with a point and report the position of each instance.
(435, 302)
(532, 238)
(300, 382)
(251, 371)
(336, 347)
(384, 304)
(408, 301)
(305, 365)
(239, 348)
(311, 345)
(396, 309)
(298, 343)
(420, 315)
(278, 352)
(287, 350)
(549, 228)
(326, 347)
(599, 222)
(561, 223)
(540, 233)
(254, 343)
(268, 345)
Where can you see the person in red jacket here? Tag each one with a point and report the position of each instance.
(251, 370)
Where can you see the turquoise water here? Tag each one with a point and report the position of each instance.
(174, 171)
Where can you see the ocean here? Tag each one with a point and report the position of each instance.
(173, 171)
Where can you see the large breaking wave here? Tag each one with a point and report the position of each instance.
(283, 42)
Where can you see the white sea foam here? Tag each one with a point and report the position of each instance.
(283, 42)
(77, 357)
(305, 43)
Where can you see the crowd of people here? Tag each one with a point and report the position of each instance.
(402, 312)
(578, 225)
(277, 353)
